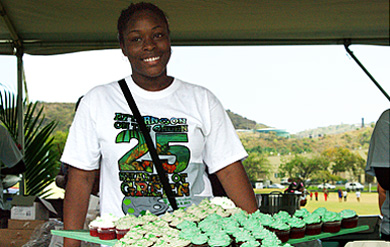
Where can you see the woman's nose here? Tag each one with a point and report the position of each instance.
(149, 43)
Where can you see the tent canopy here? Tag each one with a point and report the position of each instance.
(46, 27)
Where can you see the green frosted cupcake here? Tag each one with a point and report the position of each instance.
(349, 218)
(199, 240)
(220, 240)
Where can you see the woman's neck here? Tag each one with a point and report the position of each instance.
(153, 84)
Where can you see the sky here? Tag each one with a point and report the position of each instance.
(294, 88)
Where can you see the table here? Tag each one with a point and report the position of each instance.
(84, 235)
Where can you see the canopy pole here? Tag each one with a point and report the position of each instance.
(346, 45)
(20, 110)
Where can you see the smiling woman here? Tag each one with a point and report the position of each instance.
(144, 40)
(188, 125)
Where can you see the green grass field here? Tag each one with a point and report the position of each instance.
(368, 204)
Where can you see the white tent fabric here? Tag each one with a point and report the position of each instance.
(53, 27)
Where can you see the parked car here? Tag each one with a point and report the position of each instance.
(276, 186)
(354, 186)
(326, 186)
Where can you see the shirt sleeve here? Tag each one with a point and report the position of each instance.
(82, 149)
(223, 146)
(9, 152)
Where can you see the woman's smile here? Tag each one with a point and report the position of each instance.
(148, 47)
(151, 59)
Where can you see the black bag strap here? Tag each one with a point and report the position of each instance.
(156, 160)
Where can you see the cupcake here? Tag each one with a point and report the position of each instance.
(320, 211)
(104, 226)
(281, 229)
(107, 232)
(199, 240)
(123, 225)
(349, 218)
(260, 233)
(241, 236)
(301, 213)
(221, 240)
(297, 228)
(271, 240)
(331, 222)
(282, 215)
(251, 243)
(179, 242)
(313, 224)
(93, 227)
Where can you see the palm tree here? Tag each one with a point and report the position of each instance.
(41, 163)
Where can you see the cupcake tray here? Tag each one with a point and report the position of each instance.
(84, 235)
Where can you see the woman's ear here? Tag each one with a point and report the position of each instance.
(123, 49)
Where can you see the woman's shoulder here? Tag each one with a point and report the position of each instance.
(192, 87)
(102, 89)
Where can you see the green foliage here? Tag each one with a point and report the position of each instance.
(59, 143)
(305, 167)
(257, 166)
(270, 143)
(41, 163)
(344, 160)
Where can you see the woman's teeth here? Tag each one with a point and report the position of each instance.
(151, 59)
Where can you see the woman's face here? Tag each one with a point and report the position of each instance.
(147, 45)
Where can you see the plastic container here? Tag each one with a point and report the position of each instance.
(350, 222)
(283, 235)
(332, 226)
(93, 231)
(275, 201)
(296, 233)
(313, 229)
(120, 233)
(107, 233)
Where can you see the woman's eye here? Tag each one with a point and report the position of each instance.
(135, 39)
(158, 35)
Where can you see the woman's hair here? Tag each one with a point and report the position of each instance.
(127, 13)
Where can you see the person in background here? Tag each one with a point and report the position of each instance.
(326, 193)
(316, 195)
(378, 164)
(345, 194)
(340, 194)
(189, 126)
(311, 196)
(12, 158)
(358, 195)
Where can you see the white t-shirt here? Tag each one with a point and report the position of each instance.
(9, 155)
(379, 156)
(379, 150)
(189, 128)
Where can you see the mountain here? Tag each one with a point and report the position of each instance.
(64, 113)
(331, 130)
(240, 122)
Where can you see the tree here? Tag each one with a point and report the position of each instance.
(256, 166)
(304, 167)
(41, 163)
(344, 160)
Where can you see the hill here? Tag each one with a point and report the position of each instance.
(330, 130)
(64, 113)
